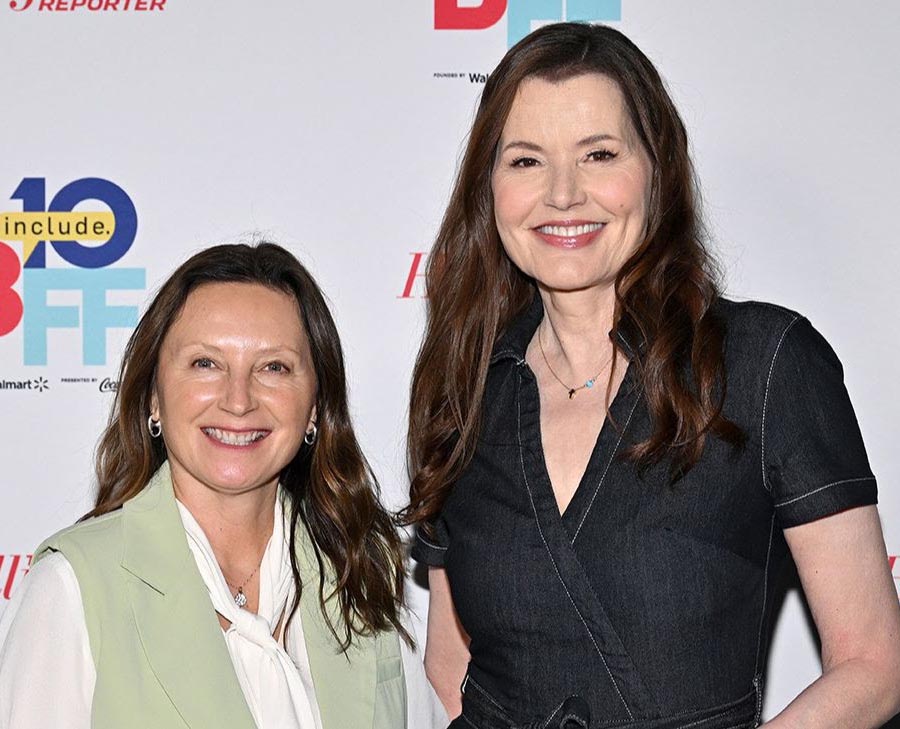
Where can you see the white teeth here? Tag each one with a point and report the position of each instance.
(570, 231)
(239, 439)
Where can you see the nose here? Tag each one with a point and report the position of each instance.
(238, 397)
(565, 190)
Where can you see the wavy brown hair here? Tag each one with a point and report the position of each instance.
(664, 292)
(333, 492)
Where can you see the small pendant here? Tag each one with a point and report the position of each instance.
(572, 393)
(589, 383)
(240, 599)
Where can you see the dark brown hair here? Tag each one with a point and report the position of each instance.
(332, 490)
(664, 292)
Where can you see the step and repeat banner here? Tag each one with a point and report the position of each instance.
(136, 132)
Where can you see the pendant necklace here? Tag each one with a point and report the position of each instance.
(240, 599)
(589, 383)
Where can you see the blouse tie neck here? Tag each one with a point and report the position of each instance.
(275, 695)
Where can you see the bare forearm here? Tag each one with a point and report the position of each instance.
(842, 564)
(447, 648)
(446, 678)
(857, 693)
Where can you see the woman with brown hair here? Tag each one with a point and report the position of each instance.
(610, 460)
(237, 569)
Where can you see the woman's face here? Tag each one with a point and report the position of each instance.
(235, 387)
(571, 183)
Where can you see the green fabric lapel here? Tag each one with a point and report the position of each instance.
(183, 641)
(175, 618)
(345, 682)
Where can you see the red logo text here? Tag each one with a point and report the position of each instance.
(449, 16)
(415, 278)
(94, 6)
(13, 567)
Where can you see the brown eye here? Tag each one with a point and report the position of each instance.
(203, 363)
(524, 162)
(601, 155)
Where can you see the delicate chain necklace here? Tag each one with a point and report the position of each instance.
(589, 383)
(240, 599)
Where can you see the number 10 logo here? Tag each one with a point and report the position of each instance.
(64, 227)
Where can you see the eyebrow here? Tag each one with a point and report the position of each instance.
(586, 142)
(594, 138)
(524, 145)
(266, 351)
(200, 345)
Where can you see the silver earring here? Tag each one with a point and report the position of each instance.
(155, 427)
(310, 436)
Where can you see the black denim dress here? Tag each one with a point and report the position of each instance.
(644, 605)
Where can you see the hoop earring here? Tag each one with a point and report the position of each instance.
(310, 436)
(155, 427)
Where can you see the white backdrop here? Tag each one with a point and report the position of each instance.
(334, 127)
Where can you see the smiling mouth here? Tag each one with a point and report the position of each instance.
(233, 438)
(569, 231)
(575, 235)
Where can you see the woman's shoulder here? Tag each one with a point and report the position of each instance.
(51, 581)
(766, 343)
(777, 347)
(93, 540)
(749, 313)
(759, 329)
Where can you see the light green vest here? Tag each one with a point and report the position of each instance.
(158, 648)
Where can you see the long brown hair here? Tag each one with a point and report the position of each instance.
(664, 292)
(333, 492)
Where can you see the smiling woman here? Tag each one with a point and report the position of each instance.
(605, 556)
(235, 388)
(571, 183)
(237, 569)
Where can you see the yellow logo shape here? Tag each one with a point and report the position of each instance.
(31, 228)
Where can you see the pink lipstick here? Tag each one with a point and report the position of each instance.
(569, 234)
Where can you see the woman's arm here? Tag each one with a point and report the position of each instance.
(47, 673)
(423, 709)
(843, 567)
(447, 645)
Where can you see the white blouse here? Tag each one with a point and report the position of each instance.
(43, 637)
(277, 683)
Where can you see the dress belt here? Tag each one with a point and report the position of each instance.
(482, 711)
(573, 713)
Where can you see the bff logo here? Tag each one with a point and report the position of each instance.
(63, 226)
(521, 14)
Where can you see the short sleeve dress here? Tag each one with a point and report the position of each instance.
(644, 605)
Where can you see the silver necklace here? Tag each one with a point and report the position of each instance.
(240, 599)
(588, 383)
